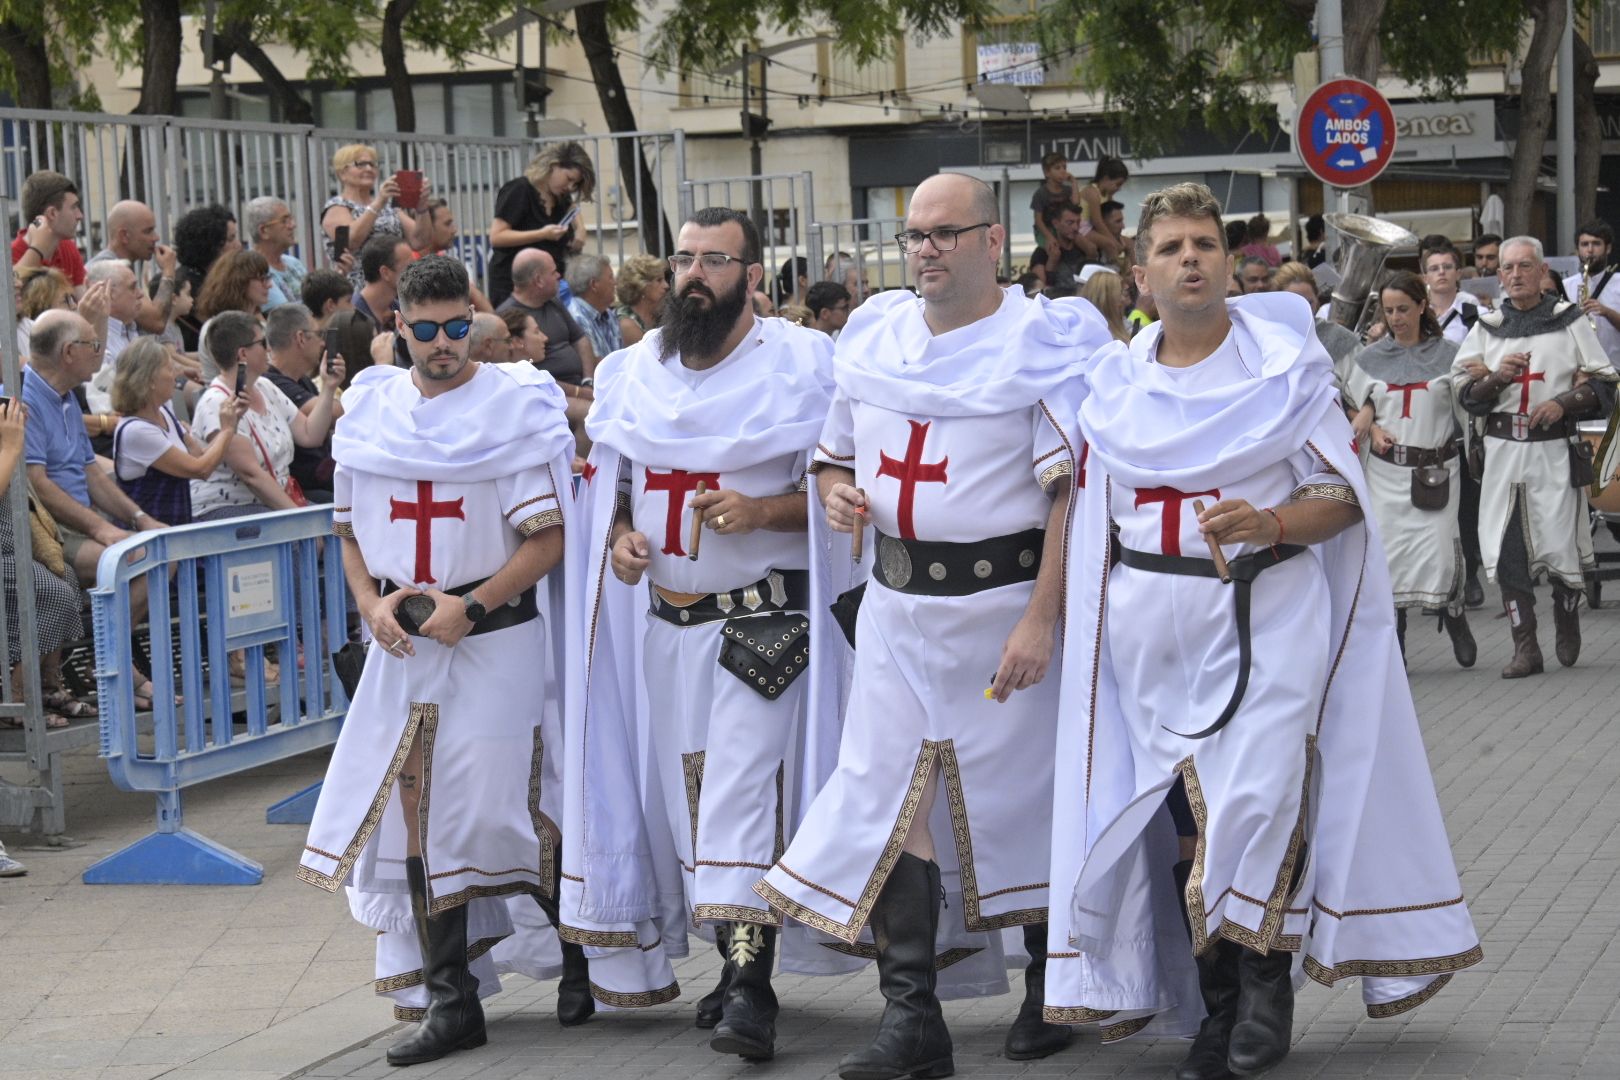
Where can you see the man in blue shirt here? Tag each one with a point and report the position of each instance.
(591, 279)
(62, 468)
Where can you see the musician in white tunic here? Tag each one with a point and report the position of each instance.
(1534, 368)
(1238, 760)
(1402, 384)
(702, 433)
(441, 799)
(942, 433)
(1597, 287)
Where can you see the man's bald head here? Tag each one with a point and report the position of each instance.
(491, 340)
(980, 195)
(534, 273)
(51, 334)
(131, 230)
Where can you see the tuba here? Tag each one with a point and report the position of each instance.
(1364, 244)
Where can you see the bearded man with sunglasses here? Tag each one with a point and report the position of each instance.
(442, 799)
(942, 437)
(683, 736)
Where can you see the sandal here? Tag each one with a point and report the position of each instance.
(59, 700)
(52, 720)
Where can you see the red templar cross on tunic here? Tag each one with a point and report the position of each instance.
(911, 472)
(1170, 512)
(1524, 382)
(423, 511)
(1406, 390)
(679, 483)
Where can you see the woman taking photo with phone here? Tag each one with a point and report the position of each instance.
(538, 210)
(368, 208)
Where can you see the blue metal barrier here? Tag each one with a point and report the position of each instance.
(241, 584)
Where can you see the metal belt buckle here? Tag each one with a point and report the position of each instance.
(895, 561)
(1400, 455)
(1521, 427)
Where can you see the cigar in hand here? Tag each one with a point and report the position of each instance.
(697, 526)
(859, 535)
(1214, 548)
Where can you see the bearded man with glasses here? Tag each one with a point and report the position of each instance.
(684, 734)
(942, 438)
(442, 801)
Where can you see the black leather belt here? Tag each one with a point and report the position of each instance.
(1516, 427)
(1244, 569)
(936, 568)
(1419, 457)
(413, 611)
(779, 590)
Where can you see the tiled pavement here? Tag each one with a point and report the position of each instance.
(269, 982)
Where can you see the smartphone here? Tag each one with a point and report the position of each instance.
(340, 241)
(334, 338)
(241, 379)
(4, 401)
(568, 218)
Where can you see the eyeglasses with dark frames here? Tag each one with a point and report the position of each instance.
(911, 241)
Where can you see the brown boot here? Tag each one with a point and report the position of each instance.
(1521, 613)
(1566, 624)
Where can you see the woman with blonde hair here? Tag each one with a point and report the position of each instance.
(367, 207)
(155, 456)
(239, 281)
(39, 290)
(1106, 291)
(540, 209)
(640, 288)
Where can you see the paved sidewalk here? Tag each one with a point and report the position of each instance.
(271, 982)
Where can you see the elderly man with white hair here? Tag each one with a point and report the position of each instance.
(1533, 368)
(123, 304)
(272, 230)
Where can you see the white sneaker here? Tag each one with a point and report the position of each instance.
(10, 867)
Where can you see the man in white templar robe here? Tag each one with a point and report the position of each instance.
(442, 797)
(1264, 805)
(683, 735)
(1532, 369)
(943, 430)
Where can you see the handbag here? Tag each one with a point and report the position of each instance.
(766, 652)
(1476, 456)
(1582, 463)
(46, 537)
(1431, 487)
(294, 490)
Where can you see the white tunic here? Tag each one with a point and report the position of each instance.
(1609, 295)
(1454, 321)
(1423, 547)
(1535, 473)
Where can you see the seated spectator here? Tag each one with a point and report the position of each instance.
(1237, 234)
(590, 279)
(792, 279)
(201, 236)
(829, 304)
(1058, 266)
(641, 286)
(527, 340)
(849, 272)
(370, 310)
(1106, 291)
(132, 238)
(1098, 241)
(57, 599)
(1257, 242)
(273, 231)
(1254, 274)
(325, 293)
(123, 304)
(239, 281)
(534, 291)
(297, 349)
(41, 289)
(154, 456)
(51, 213)
(762, 305)
(1144, 314)
(257, 471)
(438, 237)
(491, 341)
(797, 314)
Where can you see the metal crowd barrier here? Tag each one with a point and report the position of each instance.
(783, 205)
(871, 242)
(243, 584)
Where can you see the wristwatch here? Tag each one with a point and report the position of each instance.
(475, 611)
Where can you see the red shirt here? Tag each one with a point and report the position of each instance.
(67, 259)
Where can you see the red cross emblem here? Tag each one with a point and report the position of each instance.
(1521, 427)
(1406, 390)
(588, 472)
(911, 472)
(679, 483)
(1524, 380)
(1170, 512)
(423, 511)
(1085, 453)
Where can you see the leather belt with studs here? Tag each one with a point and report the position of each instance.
(934, 568)
(779, 590)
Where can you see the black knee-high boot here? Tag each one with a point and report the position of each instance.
(911, 1038)
(709, 1008)
(1031, 1036)
(1218, 985)
(748, 1008)
(1265, 1011)
(454, 1019)
(574, 1002)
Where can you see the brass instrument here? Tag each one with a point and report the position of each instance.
(1364, 245)
(1586, 291)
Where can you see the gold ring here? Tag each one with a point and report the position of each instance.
(720, 522)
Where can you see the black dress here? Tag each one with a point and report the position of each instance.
(518, 204)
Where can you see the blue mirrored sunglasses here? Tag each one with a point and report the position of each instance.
(426, 330)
